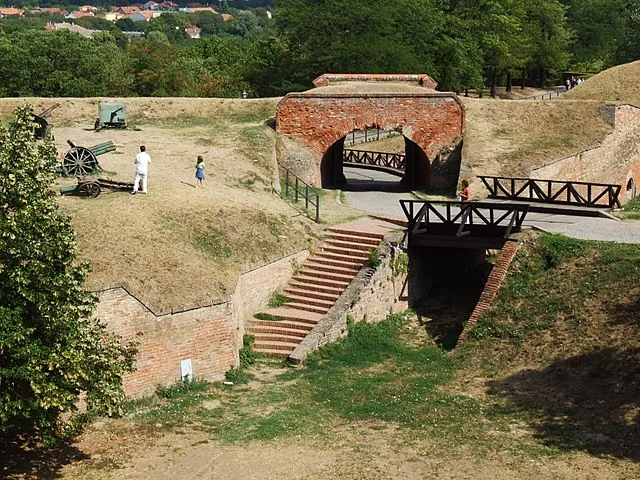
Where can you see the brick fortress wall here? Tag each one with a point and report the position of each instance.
(615, 161)
(434, 121)
(210, 336)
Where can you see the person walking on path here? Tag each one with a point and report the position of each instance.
(200, 171)
(142, 162)
(463, 195)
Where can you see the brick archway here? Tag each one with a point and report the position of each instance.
(417, 172)
(433, 121)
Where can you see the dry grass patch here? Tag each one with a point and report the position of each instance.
(510, 137)
(181, 246)
(617, 84)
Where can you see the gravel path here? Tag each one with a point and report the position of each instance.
(388, 203)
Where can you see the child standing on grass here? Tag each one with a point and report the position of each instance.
(199, 171)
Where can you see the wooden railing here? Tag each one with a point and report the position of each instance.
(296, 189)
(393, 161)
(553, 191)
(460, 218)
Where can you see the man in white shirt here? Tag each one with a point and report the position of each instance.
(142, 162)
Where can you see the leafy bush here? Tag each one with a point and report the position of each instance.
(375, 258)
(51, 349)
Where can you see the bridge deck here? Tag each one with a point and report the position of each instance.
(462, 225)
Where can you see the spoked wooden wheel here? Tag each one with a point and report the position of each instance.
(79, 161)
(89, 189)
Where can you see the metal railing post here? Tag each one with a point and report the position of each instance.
(317, 208)
(306, 196)
(286, 184)
(296, 189)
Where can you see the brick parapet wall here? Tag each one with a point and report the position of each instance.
(209, 335)
(614, 161)
(494, 282)
(371, 296)
(421, 79)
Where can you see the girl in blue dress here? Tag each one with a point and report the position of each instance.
(199, 171)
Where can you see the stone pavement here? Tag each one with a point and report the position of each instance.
(387, 202)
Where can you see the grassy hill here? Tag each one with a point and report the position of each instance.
(180, 246)
(618, 84)
(547, 386)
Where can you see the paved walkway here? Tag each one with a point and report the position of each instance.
(387, 202)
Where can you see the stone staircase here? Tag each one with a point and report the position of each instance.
(314, 289)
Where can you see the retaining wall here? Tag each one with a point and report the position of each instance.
(209, 336)
(616, 160)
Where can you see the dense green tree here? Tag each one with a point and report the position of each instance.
(51, 350)
(58, 63)
(550, 38)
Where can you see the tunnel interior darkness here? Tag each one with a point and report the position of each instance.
(444, 287)
(417, 173)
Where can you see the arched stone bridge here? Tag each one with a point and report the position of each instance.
(431, 122)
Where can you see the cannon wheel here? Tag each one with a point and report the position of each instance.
(89, 189)
(79, 161)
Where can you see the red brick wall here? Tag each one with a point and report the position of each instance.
(210, 335)
(203, 335)
(496, 277)
(614, 161)
(434, 121)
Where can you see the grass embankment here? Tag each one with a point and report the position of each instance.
(631, 210)
(509, 138)
(618, 84)
(552, 368)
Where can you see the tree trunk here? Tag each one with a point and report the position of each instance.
(524, 79)
(494, 81)
(542, 78)
(509, 81)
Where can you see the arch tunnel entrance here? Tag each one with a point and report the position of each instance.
(401, 164)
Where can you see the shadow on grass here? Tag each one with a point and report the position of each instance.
(444, 312)
(32, 461)
(589, 402)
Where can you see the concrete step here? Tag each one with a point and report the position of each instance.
(289, 325)
(295, 315)
(311, 293)
(335, 291)
(332, 268)
(323, 259)
(311, 301)
(287, 347)
(269, 351)
(349, 245)
(277, 339)
(320, 282)
(354, 237)
(378, 236)
(260, 331)
(308, 308)
(312, 272)
(341, 250)
(356, 260)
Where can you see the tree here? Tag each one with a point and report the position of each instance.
(51, 349)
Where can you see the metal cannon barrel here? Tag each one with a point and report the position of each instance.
(102, 148)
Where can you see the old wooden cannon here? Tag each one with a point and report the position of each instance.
(91, 187)
(80, 161)
(42, 127)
